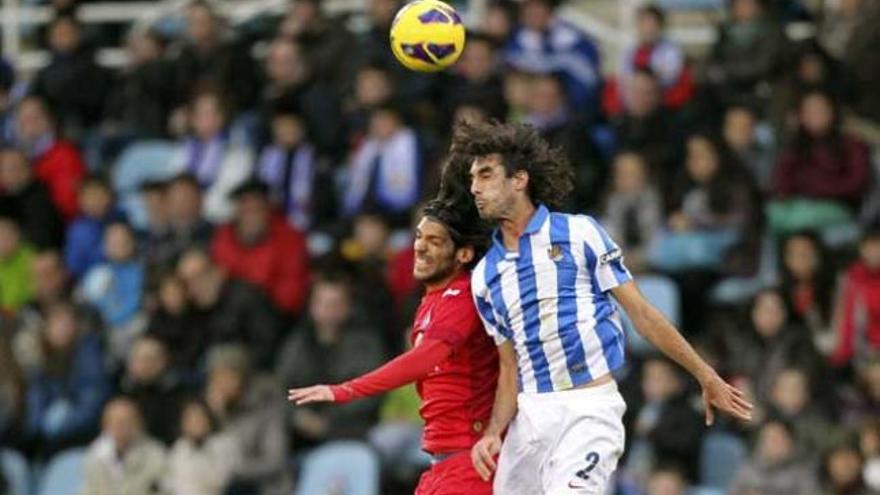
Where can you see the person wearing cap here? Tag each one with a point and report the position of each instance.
(261, 248)
(452, 361)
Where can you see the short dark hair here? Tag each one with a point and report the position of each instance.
(551, 177)
(96, 180)
(652, 10)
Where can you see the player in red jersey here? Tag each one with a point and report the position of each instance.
(453, 361)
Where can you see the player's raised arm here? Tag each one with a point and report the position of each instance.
(656, 329)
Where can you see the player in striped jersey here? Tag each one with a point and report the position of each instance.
(544, 292)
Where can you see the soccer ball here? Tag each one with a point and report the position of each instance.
(427, 35)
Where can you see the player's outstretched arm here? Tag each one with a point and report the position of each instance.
(410, 366)
(484, 451)
(656, 329)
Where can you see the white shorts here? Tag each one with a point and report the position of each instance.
(563, 443)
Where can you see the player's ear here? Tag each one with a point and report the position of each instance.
(464, 255)
(521, 180)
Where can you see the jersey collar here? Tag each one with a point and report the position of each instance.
(534, 225)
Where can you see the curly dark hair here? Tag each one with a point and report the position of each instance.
(551, 177)
(455, 209)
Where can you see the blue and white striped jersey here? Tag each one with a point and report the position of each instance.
(551, 300)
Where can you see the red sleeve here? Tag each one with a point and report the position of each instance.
(455, 320)
(292, 285)
(406, 368)
(846, 328)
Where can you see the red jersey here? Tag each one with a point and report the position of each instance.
(457, 396)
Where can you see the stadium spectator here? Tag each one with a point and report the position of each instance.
(202, 459)
(550, 114)
(748, 54)
(73, 84)
(249, 409)
(633, 209)
(498, 23)
(149, 382)
(653, 51)
(386, 169)
(210, 55)
(769, 343)
(115, 287)
(715, 202)
(97, 210)
(28, 201)
(476, 77)
(808, 283)
(290, 79)
(326, 45)
(298, 179)
(373, 88)
(840, 472)
(545, 43)
(228, 310)
(12, 392)
(821, 163)
(171, 322)
(152, 236)
(330, 347)
(261, 248)
(793, 398)
(51, 283)
(57, 163)
(15, 262)
(67, 387)
(858, 331)
(839, 23)
(860, 401)
(860, 59)
(186, 227)
(812, 70)
(368, 253)
(645, 126)
(748, 145)
(140, 103)
(218, 164)
(776, 466)
(666, 428)
(124, 459)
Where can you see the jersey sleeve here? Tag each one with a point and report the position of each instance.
(485, 310)
(406, 368)
(604, 257)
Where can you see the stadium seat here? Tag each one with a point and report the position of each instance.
(662, 293)
(15, 471)
(345, 467)
(720, 458)
(64, 473)
(139, 163)
(739, 290)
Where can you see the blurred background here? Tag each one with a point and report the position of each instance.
(203, 204)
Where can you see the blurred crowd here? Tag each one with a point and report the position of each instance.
(227, 216)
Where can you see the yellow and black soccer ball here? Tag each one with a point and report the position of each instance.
(427, 35)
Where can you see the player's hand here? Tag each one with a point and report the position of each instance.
(483, 455)
(726, 398)
(307, 395)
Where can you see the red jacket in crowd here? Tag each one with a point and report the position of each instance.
(279, 263)
(822, 172)
(859, 328)
(61, 168)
